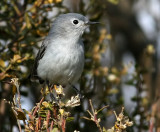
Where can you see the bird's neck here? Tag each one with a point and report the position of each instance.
(73, 37)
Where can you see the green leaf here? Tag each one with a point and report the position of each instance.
(114, 1)
(55, 130)
(113, 91)
(69, 119)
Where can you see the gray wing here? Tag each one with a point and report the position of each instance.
(41, 52)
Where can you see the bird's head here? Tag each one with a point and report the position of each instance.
(70, 25)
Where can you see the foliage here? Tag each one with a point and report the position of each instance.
(52, 115)
(23, 26)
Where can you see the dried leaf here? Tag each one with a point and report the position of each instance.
(61, 111)
(21, 115)
(109, 130)
(14, 90)
(74, 101)
(31, 125)
(109, 36)
(38, 3)
(16, 9)
(52, 1)
(112, 77)
(45, 104)
(2, 63)
(104, 130)
(16, 58)
(15, 82)
(150, 49)
(122, 121)
(59, 90)
(28, 22)
(41, 33)
(76, 131)
(3, 75)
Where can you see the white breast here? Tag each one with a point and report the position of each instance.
(62, 64)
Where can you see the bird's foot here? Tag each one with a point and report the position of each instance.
(53, 98)
(81, 96)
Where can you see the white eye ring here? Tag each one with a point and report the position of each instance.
(75, 22)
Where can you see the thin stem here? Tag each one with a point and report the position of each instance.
(91, 106)
(18, 122)
(89, 113)
(37, 107)
(100, 129)
(48, 117)
(19, 97)
(102, 109)
(51, 127)
(19, 125)
(63, 124)
(86, 118)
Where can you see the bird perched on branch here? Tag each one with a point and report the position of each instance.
(60, 59)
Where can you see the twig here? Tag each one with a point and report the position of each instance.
(38, 105)
(102, 108)
(18, 122)
(63, 124)
(86, 118)
(94, 115)
(115, 114)
(51, 127)
(19, 97)
(16, 83)
(39, 122)
(48, 117)
(152, 120)
(91, 106)
(19, 125)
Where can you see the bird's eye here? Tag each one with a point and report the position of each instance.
(75, 22)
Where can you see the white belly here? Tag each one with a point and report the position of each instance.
(62, 66)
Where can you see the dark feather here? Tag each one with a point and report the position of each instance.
(34, 75)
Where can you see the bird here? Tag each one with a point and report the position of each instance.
(60, 59)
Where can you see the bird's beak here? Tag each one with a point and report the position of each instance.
(90, 23)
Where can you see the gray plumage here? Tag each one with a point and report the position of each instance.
(60, 59)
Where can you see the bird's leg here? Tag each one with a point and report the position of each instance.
(78, 92)
(43, 89)
(50, 86)
(53, 98)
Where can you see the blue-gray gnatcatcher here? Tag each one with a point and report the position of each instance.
(60, 59)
